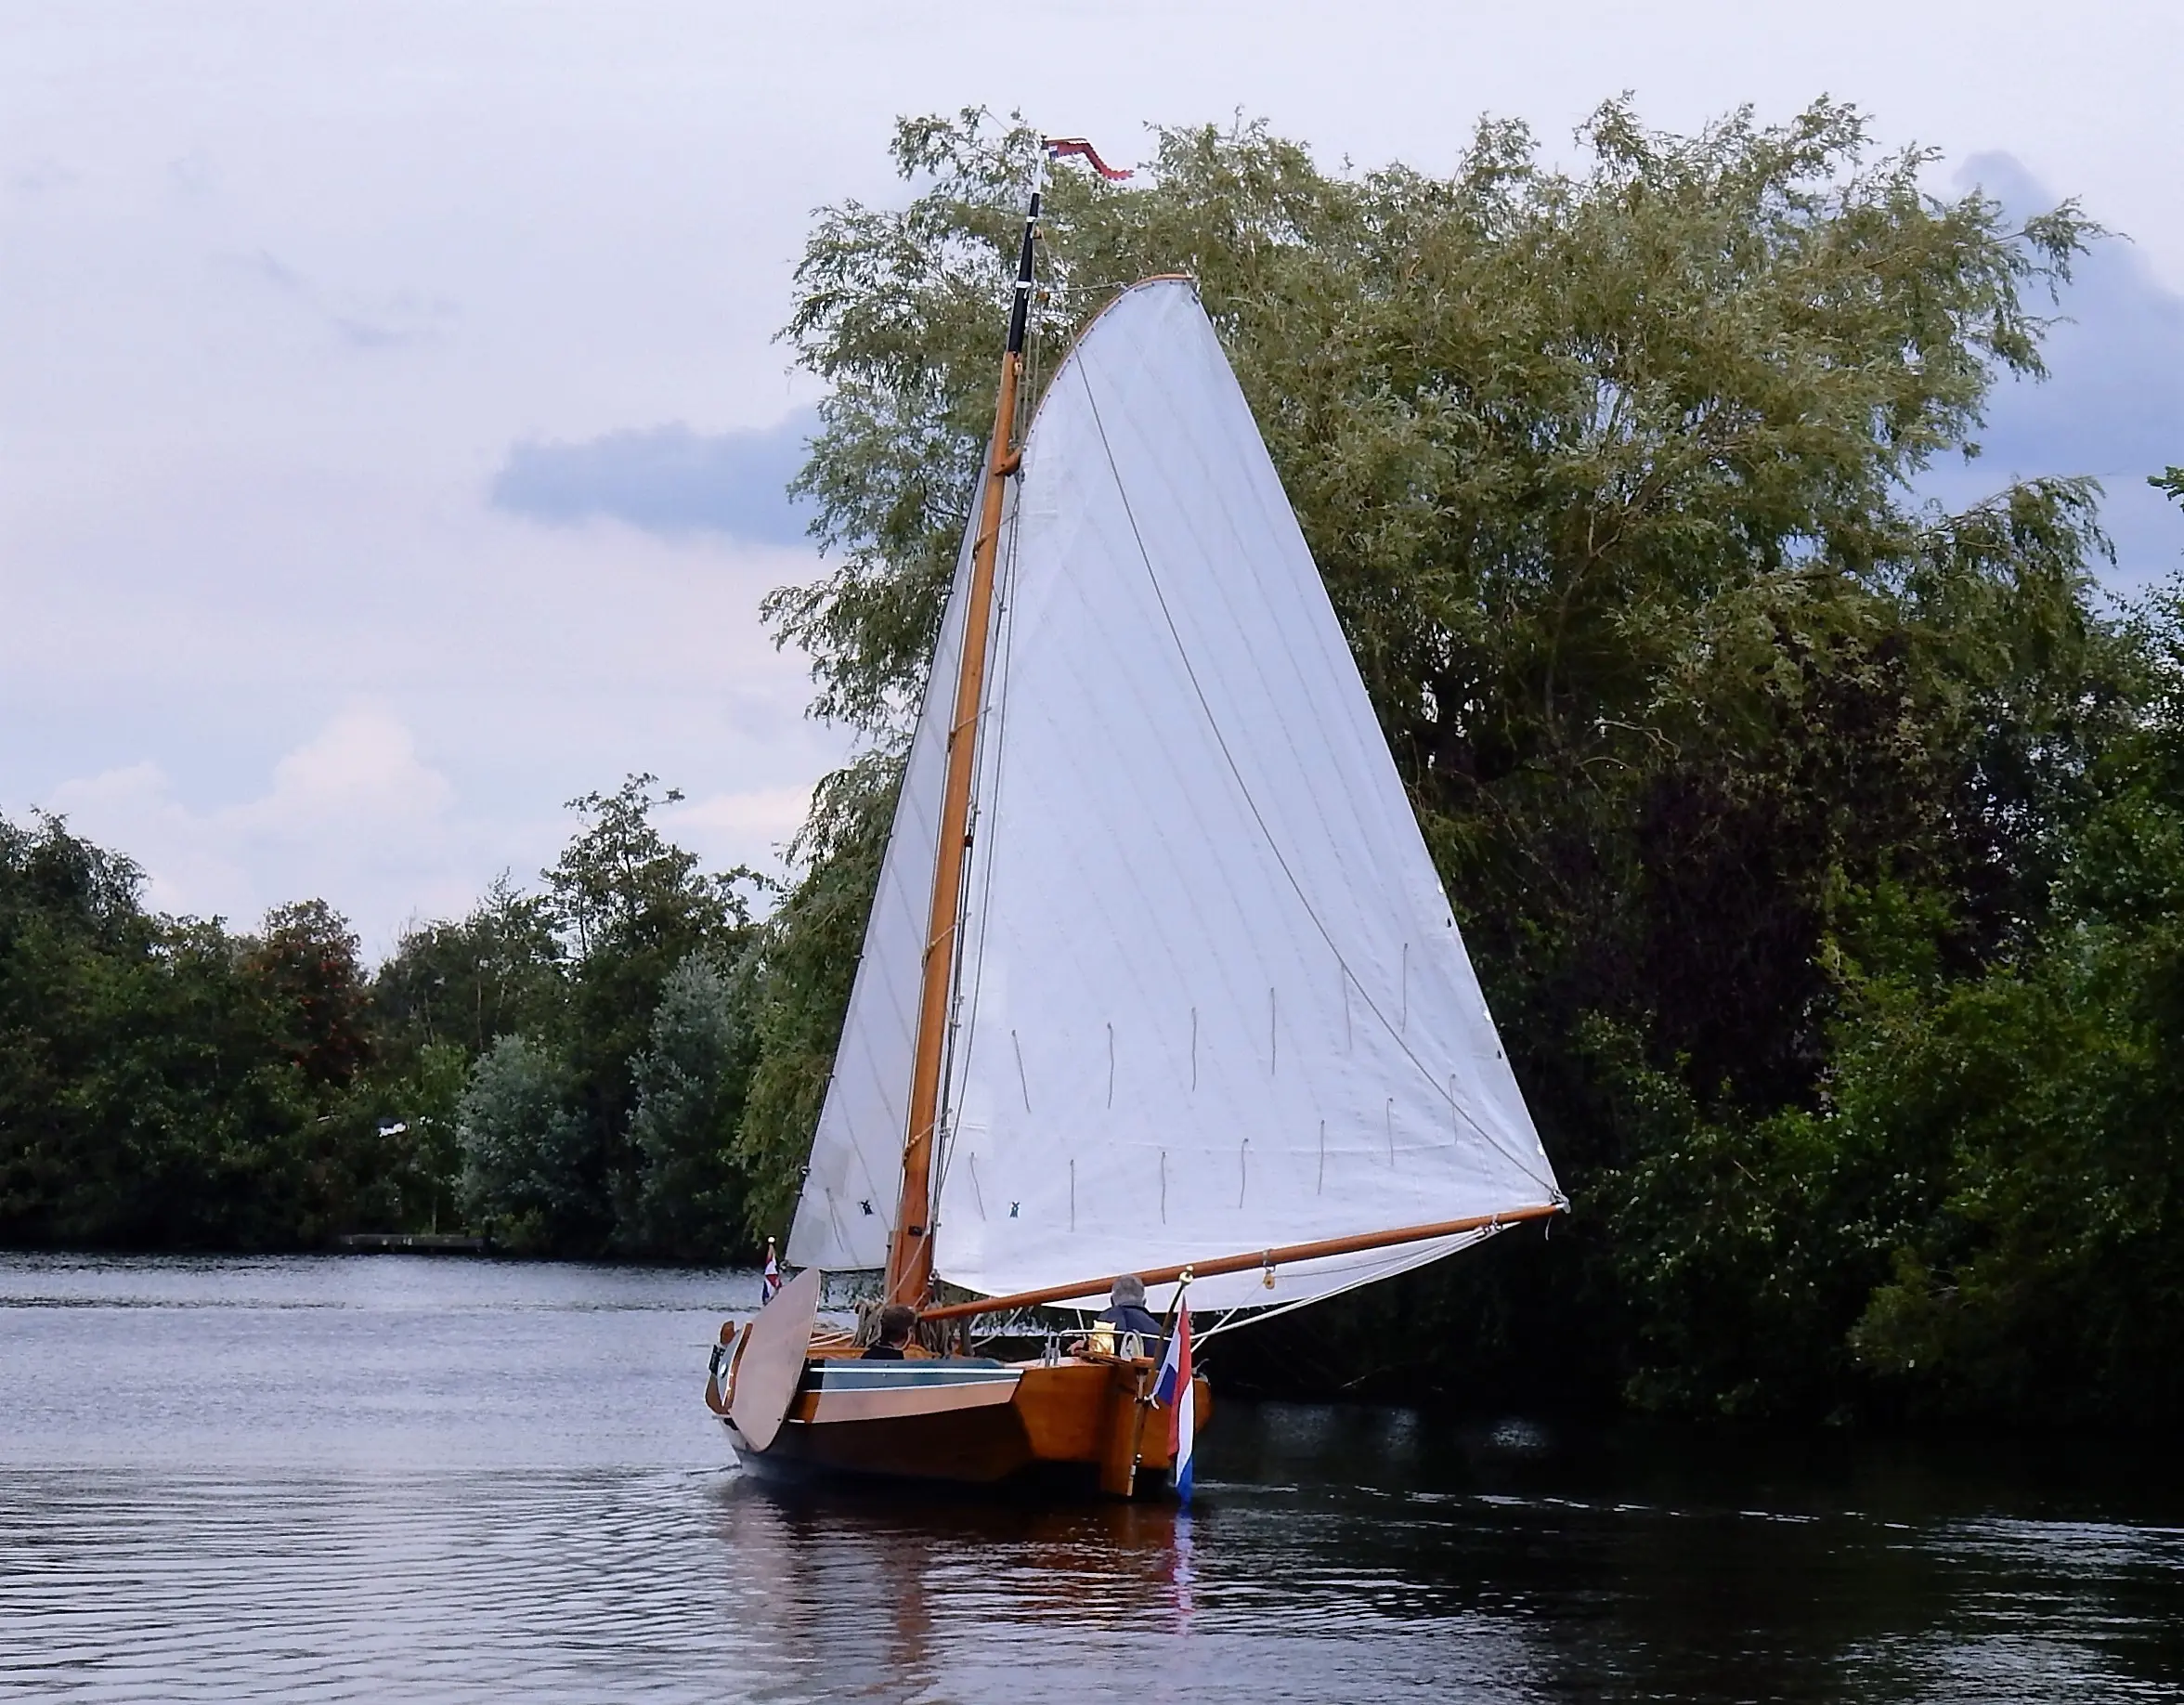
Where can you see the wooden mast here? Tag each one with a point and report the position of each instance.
(910, 1255)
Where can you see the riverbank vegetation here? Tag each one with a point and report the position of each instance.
(562, 1070)
(1822, 850)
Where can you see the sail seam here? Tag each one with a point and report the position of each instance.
(1250, 803)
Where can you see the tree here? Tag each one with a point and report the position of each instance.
(162, 1082)
(530, 1161)
(305, 960)
(466, 983)
(689, 1087)
(2045, 1281)
(1610, 476)
(630, 906)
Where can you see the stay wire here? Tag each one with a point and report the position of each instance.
(1371, 1273)
(970, 962)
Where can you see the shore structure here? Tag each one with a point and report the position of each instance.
(1160, 978)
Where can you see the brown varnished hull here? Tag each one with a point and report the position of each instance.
(1079, 1425)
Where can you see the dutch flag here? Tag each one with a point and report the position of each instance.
(769, 1280)
(1174, 1392)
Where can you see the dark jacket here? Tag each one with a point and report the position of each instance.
(882, 1352)
(1129, 1317)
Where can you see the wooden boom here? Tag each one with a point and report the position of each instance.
(910, 1255)
(1245, 1263)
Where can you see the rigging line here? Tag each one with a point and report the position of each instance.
(1373, 1274)
(964, 1006)
(932, 719)
(1221, 740)
(962, 1010)
(992, 725)
(1028, 392)
(888, 1186)
(1035, 349)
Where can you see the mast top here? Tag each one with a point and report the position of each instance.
(1020, 311)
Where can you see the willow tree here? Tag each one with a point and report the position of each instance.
(1610, 473)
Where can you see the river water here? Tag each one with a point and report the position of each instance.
(428, 1480)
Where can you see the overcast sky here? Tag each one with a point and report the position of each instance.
(391, 432)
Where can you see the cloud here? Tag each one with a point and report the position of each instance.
(360, 319)
(354, 813)
(193, 175)
(37, 175)
(750, 827)
(362, 770)
(2113, 402)
(355, 795)
(666, 479)
(394, 322)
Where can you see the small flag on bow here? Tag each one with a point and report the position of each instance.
(770, 1281)
(1172, 1391)
(1061, 146)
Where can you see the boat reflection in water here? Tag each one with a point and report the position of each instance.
(890, 1587)
(1350, 1553)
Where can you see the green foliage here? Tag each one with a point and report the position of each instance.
(690, 1086)
(530, 1162)
(1741, 1246)
(2047, 1277)
(461, 984)
(413, 1115)
(160, 1080)
(1743, 764)
(629, 907)
(166, 1084)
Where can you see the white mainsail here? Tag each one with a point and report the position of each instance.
(1211, 998)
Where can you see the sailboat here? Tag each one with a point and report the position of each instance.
(1158, 980)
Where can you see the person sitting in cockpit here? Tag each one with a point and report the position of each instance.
(896, 1320)
(1125, 1317)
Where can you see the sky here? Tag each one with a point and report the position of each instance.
(392, 428)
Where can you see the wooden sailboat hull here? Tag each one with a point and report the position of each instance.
(1080, 1425)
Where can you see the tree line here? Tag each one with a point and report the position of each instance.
(562, 1071)
(1821, 849)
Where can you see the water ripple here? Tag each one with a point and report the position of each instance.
(453, 1481)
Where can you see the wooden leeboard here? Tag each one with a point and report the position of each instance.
(772, 1363)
